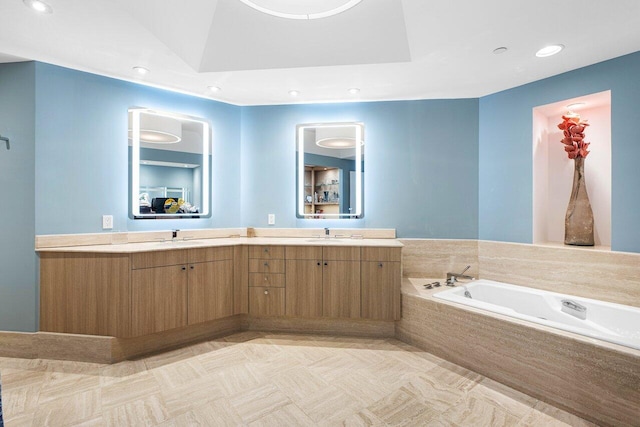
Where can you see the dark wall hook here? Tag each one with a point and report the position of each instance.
(5, 139)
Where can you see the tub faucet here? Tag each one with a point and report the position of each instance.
(452, 278)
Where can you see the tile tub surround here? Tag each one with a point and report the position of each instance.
(586, 272)
(436, 257)
(269, 379)
(596, 380)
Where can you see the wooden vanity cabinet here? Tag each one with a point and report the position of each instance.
(266, 280)
(323, 281)
(381, 281)
(171, 289)
(85, 293)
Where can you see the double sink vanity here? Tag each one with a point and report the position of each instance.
(128, 290)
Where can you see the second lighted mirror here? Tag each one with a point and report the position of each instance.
(330, 170)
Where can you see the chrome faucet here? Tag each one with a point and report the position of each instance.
(327, 234)
(174, 234)
(452, 278)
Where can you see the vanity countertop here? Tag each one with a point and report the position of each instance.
(225, 241)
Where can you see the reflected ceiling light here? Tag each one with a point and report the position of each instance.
(575, 105)
(296, 9)
(141, 70)
(354, 91)
(500, 50)
(549, 50)
(38, 6)
(337, 138)
(158, 129)
(294, 92)
(214, 88)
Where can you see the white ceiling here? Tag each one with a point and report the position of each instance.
(390, 49)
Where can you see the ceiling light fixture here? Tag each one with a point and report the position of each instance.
(354, 91)
(575, 105)
(309, 9)
(141, 70)
(294, 92)
(38, 6)
(214, 88)
(549, 50)
(499, 50)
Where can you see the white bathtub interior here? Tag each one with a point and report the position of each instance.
(616, 323)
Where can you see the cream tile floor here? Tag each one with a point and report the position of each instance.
(264, 379)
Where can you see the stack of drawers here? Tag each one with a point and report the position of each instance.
(266, 281)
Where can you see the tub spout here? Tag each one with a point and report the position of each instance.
(452, 278)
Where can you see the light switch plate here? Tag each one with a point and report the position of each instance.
(107, 222)
(272, 219)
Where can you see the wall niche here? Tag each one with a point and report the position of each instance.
(553, 170)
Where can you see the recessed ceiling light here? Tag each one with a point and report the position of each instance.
(141, 70)
(500, 50)
(354, 90)
(308, 9)
(214, 88)
(294, 92)
(575, 105)
(549, 50)
(38, 6)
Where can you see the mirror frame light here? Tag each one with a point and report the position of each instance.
(135, 164)
(359, 128)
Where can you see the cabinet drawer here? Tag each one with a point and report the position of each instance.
(266, 279)
(381, 254)
(158, 258)
(210, 254)
(266, 301)
(341, 253)
(266, 252)
(304, 252)
(266, 265)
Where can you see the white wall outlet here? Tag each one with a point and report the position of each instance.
(107, 222)
(272, 219)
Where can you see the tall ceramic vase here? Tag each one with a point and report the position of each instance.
(578, 223)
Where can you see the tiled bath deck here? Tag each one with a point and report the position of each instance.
(264, 379)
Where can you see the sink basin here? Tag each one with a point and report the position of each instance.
(322, 239)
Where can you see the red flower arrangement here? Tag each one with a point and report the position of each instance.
(573, 139)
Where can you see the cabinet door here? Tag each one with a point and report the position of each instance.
(381, 290)
(158, 299)
(304, 288)
(341, 289)
(85, 294)
(266, 301)
(210, 291)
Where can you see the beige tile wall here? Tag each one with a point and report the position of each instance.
(587, 272)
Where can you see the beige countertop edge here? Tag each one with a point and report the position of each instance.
(414, 287)
(219, 242)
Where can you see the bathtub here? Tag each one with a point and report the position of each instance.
(616, 323)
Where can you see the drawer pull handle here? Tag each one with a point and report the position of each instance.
(266, 264)
(326, 263)
(183, 268)
(266, 250)
(318, 263)
(266, 292)
(192, 267)
(380, 265)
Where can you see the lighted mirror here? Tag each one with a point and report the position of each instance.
(330, 170)
(170, 165)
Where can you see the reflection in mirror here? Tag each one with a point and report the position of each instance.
(330, 167)
(170, 158)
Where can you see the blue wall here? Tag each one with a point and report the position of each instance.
(506, 176)
(18, 280)
(421, 165)
(82, 152)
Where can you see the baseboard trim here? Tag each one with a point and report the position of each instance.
(106, 349)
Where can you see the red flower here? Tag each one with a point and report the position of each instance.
(573, 130)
